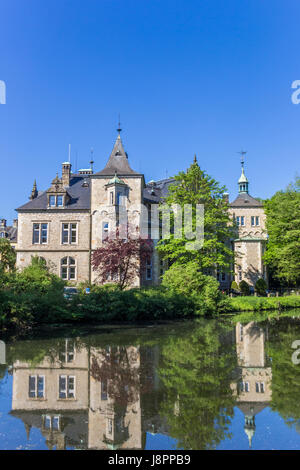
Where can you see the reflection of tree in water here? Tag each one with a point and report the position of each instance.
(285, 374)
(196, 373)
(118, 370)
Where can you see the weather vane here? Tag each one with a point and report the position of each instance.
(119, 125)
(242, 154)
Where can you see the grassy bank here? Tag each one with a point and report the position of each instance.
(254, 304)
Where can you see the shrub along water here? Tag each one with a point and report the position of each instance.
(35, 296)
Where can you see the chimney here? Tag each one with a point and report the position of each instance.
(66, 173)
(2, 223)
(15, 223)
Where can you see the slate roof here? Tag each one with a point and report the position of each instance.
(155, 192)
(245, 200)
(79, 196)
(11, 233)
(117, 162)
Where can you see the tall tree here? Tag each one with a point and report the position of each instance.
(283, 227)
(196, 187)
(121, 260)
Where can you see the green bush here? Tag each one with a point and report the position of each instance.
(261, 286)
(244, 288)
(187, 280)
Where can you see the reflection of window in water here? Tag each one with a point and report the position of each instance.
(244, 387)
(260, 387)
(109, 426)
(104, 390)
(67, 354)
(36, 386)
(120, 425)
(66, 386)
(51, 422)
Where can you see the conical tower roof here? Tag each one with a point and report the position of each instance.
(243, 177)
(117, 162)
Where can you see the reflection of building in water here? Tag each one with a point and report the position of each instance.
(253, 388)
(80, 397)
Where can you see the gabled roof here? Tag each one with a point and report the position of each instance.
(79, 196)
(245, 200)
(117, 162)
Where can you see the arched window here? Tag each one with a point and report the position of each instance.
(68, 268)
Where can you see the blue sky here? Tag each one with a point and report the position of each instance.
(187, 76)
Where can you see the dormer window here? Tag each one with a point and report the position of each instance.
(60, 201)
(56, 200)
(52, 201)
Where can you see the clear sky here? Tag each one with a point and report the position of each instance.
(187, 76)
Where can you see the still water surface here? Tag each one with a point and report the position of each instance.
(212, 384)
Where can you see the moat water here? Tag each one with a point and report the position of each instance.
(208, 384)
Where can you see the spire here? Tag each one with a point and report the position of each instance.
(195, 158)
(118, 160)
(34, 191)
(243, 181)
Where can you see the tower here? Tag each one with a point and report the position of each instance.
(243, 181)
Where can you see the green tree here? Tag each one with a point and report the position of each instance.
(188, 280)
(283, 226)
(196, 374)
(7, 255)
(195, 187)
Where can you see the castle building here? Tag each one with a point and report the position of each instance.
(67, 222)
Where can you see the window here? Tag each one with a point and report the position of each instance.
(51, 422)
(56, 201)
(244, 387)
(40, 234)
(254, 221)
(240, 274)
(66, 386)
(68, 268)
(237, 221)
(60, 201)
(241, 332)
(242, 220)
(105, 228)
(109, 426)
(111, 197)
(67, 354)
(52, 201)
(149, 270)
(260, 387)
(69, 233)
(36, 386)
(2, 235)
(104, 389)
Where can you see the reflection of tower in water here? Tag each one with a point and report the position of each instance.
(253, 387)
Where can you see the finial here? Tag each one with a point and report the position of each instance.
(195, 158)
(92, 159)
(119, 126)
(242, 154)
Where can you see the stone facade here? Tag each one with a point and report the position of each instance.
(66, 223)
